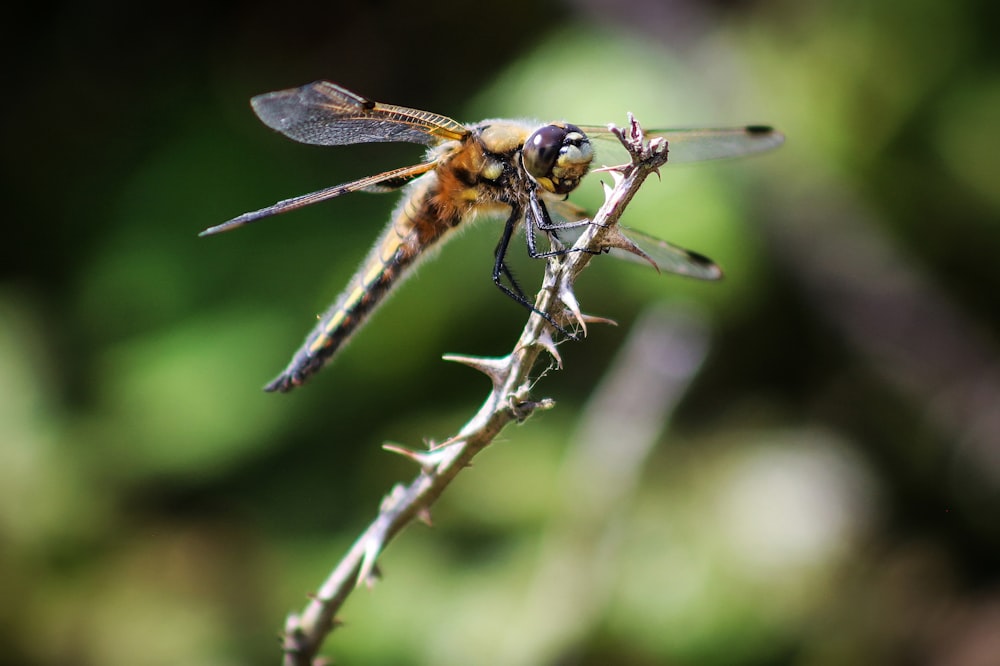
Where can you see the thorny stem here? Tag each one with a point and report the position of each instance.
(508, 401)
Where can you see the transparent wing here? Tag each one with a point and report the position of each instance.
(326, 114)
(692, 145)
(645, 249)
(667, 257)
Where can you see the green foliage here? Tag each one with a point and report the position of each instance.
(157, 507)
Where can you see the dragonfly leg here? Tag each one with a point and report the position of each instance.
(501, 270)
(538, 218)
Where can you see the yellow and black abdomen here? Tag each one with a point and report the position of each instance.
(417, 225)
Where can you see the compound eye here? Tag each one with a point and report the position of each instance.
(556, 157)
(541, 150)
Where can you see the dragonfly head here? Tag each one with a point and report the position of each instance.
(557, 156)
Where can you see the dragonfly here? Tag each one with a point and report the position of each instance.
(515, 170)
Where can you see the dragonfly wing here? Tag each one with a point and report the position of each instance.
(695, 145)
(326, 114)
(666, 256)
(636, 246)
(380, 183)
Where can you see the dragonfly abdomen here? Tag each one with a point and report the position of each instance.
(416, 226)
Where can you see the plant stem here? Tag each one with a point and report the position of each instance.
(508, 401)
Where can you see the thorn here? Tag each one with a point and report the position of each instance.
(617, 131)
(658, 146)
(569, 300)
(635, 132)
(374, 576)
(494, 368)
(367, 572)
(548, 344)
(594, 319)
(293, 639)
(424, 516)
(616, 239)
(447, 444)
(427, 460)
(397, 493)
(610, 169)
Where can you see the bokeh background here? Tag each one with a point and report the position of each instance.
(797, 465)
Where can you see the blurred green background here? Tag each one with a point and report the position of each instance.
(797, 465)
